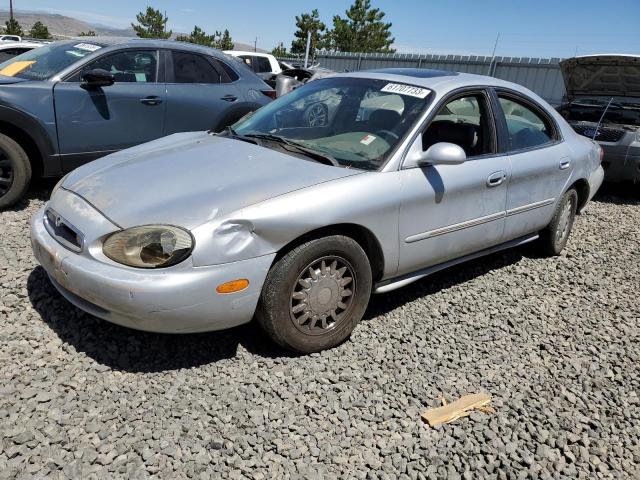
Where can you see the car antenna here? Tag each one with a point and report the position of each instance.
(595, 134)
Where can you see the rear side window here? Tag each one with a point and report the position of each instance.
(262, 64)
(193, 68)
(527, 128)
(231, 75)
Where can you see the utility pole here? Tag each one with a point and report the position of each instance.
(255, 45)
(306, 52)
(11, 9)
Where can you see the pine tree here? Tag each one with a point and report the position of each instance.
(12, 27)
(198, 36)
(308, 22)
(364, 30)
(152, 24)
(225, 42)
(90, 33)
(279, 51)
(39, 30)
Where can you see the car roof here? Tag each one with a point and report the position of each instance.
(246, 52)
(435, 79)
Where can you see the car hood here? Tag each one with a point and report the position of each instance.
(188, 179)
(610, 75)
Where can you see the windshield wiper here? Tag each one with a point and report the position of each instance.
(231, 133)
(314, 154)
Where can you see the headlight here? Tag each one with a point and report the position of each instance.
(150, 246)
(59, 184)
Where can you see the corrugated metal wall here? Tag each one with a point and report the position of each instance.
(542, 75)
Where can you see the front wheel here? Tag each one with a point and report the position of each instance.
(316, 294)
(15, 171)
(554, 238)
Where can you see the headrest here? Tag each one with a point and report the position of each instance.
(462, 134)
(384, 119)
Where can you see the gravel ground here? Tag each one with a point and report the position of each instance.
(555, 341)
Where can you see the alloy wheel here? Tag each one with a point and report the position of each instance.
(6, 174)
(564, 221)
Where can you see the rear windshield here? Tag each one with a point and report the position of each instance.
(45, 62)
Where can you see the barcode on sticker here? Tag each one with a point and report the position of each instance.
(409, 90)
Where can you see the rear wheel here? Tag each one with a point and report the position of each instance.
(554, 238)
(15, 171)
(316, 294)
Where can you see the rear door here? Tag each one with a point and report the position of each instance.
(449, 211)
(200, 94)
(540, 161)
(93, 122)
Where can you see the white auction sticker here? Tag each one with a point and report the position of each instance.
(368, 139)
(89, 47)
(406, 90)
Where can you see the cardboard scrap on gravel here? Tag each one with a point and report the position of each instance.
(462, 407)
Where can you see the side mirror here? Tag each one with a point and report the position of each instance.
(442, 153)
(97, 78)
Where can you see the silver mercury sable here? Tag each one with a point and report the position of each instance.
(355, 184)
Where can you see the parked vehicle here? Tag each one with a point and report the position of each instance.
(10, 38)
(111, 94)
(13, 49)
(603, 103)
(264, 64)
(299, 224)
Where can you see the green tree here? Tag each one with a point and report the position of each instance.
(225, 42)
(363, 30)
(12, 27)
(279, 51)
(308, 22)
(198, 36)
(39, 30)
(220, 40)
(151, 24)
(90, 33)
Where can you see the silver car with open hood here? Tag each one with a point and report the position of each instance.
(296, 222)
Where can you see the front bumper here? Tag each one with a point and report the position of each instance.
(179, 299)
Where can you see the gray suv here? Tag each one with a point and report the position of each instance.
(70, 102)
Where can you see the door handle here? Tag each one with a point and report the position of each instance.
(496, 179)
(229, 98)
(153, 100)
(564, 164)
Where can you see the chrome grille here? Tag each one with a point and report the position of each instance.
(64, 232)
(603, 134)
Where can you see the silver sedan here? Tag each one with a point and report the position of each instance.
(297, 224)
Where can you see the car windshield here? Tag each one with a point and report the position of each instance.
(45, 62)
(356, 122)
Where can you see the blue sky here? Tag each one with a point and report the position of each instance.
(541, 28)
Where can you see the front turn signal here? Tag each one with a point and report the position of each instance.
(233, 286)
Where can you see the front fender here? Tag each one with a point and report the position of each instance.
(370, 200)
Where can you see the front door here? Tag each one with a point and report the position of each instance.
(93, 122)
(541, 165)
(449, 211)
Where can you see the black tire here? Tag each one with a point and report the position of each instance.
(15, 171)
(554, 238)
(275, 312)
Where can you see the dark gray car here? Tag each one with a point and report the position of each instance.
(73, 101)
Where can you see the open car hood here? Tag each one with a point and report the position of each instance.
(606, 75)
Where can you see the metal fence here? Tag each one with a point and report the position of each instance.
(542, 75)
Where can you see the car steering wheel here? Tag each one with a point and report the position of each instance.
(388, 135)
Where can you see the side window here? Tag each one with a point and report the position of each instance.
(135, 66)
(464, 121)
(231, 75)
(262, 64)
(247, 60)
(193, 68)
(526, 127)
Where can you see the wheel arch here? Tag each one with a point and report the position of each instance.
(581, 186)
(362, 235)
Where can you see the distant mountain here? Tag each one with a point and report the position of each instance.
(61, 26)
